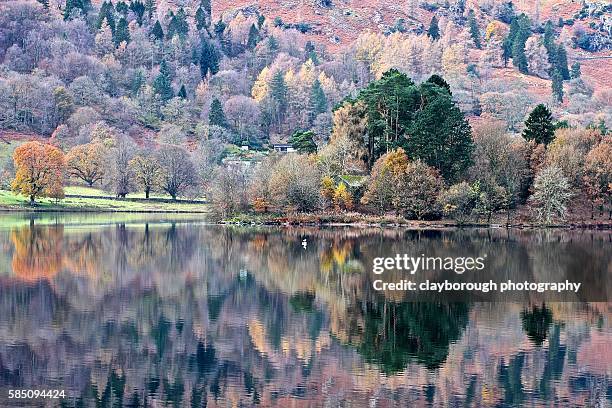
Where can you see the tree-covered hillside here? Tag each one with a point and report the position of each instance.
(153, 96)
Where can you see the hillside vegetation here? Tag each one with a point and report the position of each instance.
(470, 108)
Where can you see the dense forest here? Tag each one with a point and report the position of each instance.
(482, 112)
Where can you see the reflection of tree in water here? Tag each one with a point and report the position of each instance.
(510, 379)
(536, 323)
(555, 358)
(396, 333)
(38, 251)
(217, 336)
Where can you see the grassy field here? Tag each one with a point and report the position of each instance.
(12, 201)
(92, 191)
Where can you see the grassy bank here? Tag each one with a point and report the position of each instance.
(96, 201)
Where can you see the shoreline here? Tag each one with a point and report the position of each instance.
(391, 221)
(4, 210)
(323, 220)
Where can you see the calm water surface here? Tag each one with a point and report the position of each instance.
(165, 311)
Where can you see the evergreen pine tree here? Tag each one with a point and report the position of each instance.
(562, 62)
(163, 82)
(557, 86)
(303, 142)
(438, 80)
(575, 73)
(539, 125)
(71, 6)
(318, 100)
(509, 41)
(475, 33)
(219, 28)
(171, 28)
(209, 59)
(434, 30)
(150, 8)
(519, 37)
(107, 11)
(181, 27)
(45, 4)
(122, 8)
(157, 31)
(122, 32)
(216, 117)
(253, 37)
(205, 4)
(519, 59)
(182, 93)
(549, 42)
(200, 18)
(138, 8)
(278, 97)
(138, 80)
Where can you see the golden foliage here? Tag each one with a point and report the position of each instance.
(39, 170)
(87, 162)
(342, 198)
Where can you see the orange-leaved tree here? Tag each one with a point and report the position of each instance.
(39, 170)
(87, 162)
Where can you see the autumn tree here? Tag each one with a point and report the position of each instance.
(39, 170)
(147, 172)
(459, 202)
(598, 174)
(87, 162)
(178, 173)
(118, 177)
(328, 188)
(537, 58)
(500, 167)
(229, 191)
(417, 190)
(342, 198)
(381, 191)
(539, 125)
(346, 150)
(294, 183)
(64, 104)
(551, 195)
(568, 151)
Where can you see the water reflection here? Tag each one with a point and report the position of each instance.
(184, 314)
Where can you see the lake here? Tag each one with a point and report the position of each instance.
(135, 310)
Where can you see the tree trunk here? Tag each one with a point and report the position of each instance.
(32, 198)
(147, 193)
